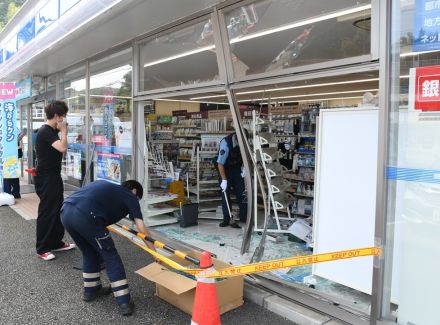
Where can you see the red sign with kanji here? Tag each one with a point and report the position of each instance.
(427, 88)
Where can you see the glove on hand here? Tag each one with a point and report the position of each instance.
(243, 172)
(224, 185)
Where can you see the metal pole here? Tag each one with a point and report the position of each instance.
(385, 105)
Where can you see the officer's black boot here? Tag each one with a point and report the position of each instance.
(90, 296)
(126, 309)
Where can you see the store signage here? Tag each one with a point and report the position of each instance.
(23, 89)
(9, 165)
(295, 109)
(220, 114)
(426, 29)
(181, 112)
(197, 116)
(424, 88)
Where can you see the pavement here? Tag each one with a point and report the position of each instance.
(33, 291)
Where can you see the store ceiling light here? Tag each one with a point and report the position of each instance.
(302, 23)
(293, 87)
(402, 55)
(181, 55)
(266, 32)
(191, 101)
(309, 95)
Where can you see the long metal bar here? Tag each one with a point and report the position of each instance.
(383, 138)
(160, 244)
(88, 156)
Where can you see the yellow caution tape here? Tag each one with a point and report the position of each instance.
(281, 263)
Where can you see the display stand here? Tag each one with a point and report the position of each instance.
(275, 185)
(156, 169)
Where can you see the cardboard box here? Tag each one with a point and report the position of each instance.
(179, 290)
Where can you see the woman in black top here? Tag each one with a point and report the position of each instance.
(49, 148)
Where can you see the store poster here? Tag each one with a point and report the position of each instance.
(109, 114)
(109, 167)
(9, 164)
(426, 29)
(424, 89)
(73, 164)
(123, 134)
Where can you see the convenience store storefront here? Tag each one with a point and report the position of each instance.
(110, 65)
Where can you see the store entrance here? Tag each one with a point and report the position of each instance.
(182, 136)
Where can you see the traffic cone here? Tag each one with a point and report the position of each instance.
(205, 309)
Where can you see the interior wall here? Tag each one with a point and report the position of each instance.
(167, 107)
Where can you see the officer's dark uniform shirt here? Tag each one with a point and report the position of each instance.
(48, 158)
(106, 202)
(229, 152)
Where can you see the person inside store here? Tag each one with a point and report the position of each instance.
(12, 185)
(231, 171)
(85, 215)
(50, 144)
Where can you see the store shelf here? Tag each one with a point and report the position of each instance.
(186, 126)
(213, 181)
(151, 212)
(202, 189)
(160, 198)
(188, 146)
(301, 214)
(208, 152)
(156, 220)
(302, 195)
(186, 136)
(164, 141)
(210, 199)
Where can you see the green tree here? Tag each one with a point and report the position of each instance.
(8, 8)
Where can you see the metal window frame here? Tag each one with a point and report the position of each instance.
(373, 55)
(199, 17)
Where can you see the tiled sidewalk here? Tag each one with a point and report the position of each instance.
(27, 206)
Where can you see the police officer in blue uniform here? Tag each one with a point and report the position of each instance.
(85, 215)
(230, 167)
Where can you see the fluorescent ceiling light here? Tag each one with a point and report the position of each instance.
(181, 55)
(402, 55)
(308, 95)
(109, 96)
(266, 32)
(191, 101)
(321, 99)
(293, 87)
(301, 23)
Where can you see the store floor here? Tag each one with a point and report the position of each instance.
(226, 244)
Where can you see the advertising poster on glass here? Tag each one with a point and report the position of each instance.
(123, 134)
(73, 164)
(109, 167)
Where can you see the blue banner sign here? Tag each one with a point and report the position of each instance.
(426, 25)
(9, 165)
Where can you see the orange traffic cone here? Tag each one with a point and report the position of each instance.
(205, 309)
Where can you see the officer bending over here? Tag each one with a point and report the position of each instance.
(85, 215)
